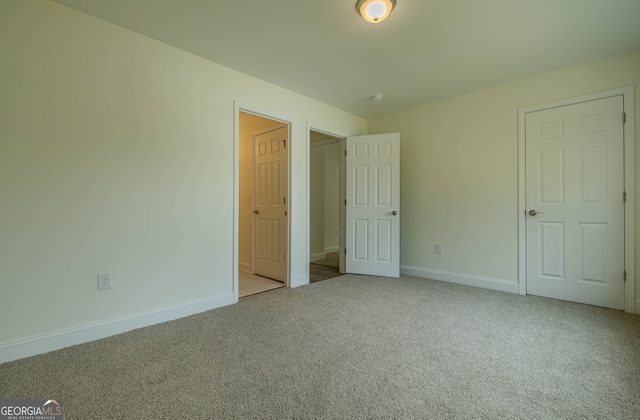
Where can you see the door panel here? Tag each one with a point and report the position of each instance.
(270, 171)
(383, 238)
(552, 250)
(551, 176)
(574, 182)
(594, 252)
(361, 186)
(373, 205)
(361, 240)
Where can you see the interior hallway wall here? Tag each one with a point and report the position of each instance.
(325, 198)
(331, 196)
(316, 202)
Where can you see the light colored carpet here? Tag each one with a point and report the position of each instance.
(354, 347)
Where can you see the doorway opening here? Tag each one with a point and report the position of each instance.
(368, 179)
(326, 193)
(263, 204)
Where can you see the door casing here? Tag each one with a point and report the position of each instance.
(629, 185)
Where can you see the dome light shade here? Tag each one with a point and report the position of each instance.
(375, 11)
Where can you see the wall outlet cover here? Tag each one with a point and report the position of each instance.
(104, 280)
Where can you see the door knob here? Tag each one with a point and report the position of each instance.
(394, 213)
(533, 212)
(256, 211)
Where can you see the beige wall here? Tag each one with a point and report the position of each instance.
(316, 203)
(117, 154)
(460, 168)
(325, 197)
(331, 195)
(249, 125)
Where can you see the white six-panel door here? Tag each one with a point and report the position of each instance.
(373, 205)
(574, 202)
(271, 201)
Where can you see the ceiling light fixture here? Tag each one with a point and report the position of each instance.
(375, 11)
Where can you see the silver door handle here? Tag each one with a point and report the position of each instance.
(533, 212)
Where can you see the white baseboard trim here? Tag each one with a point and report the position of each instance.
(245, 266)
(465, 279)
(316, 257)
(31, 346)
(330, 249)
(638, 307)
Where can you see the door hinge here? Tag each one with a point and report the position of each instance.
(624, 118)
(285, 212)
(624, 196)
(345, 251)
(284, 143)
(284, 200)
(345, 201)
(345, 153)
(625, 276)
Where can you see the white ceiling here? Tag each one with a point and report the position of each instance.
(425, 51)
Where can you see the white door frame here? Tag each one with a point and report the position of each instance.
(629, 185)
(237, 109)
(342, 138)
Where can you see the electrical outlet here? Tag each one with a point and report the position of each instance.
(104, 280)
(438, 248)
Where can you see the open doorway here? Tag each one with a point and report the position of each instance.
(326, 211)
(263, 204)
